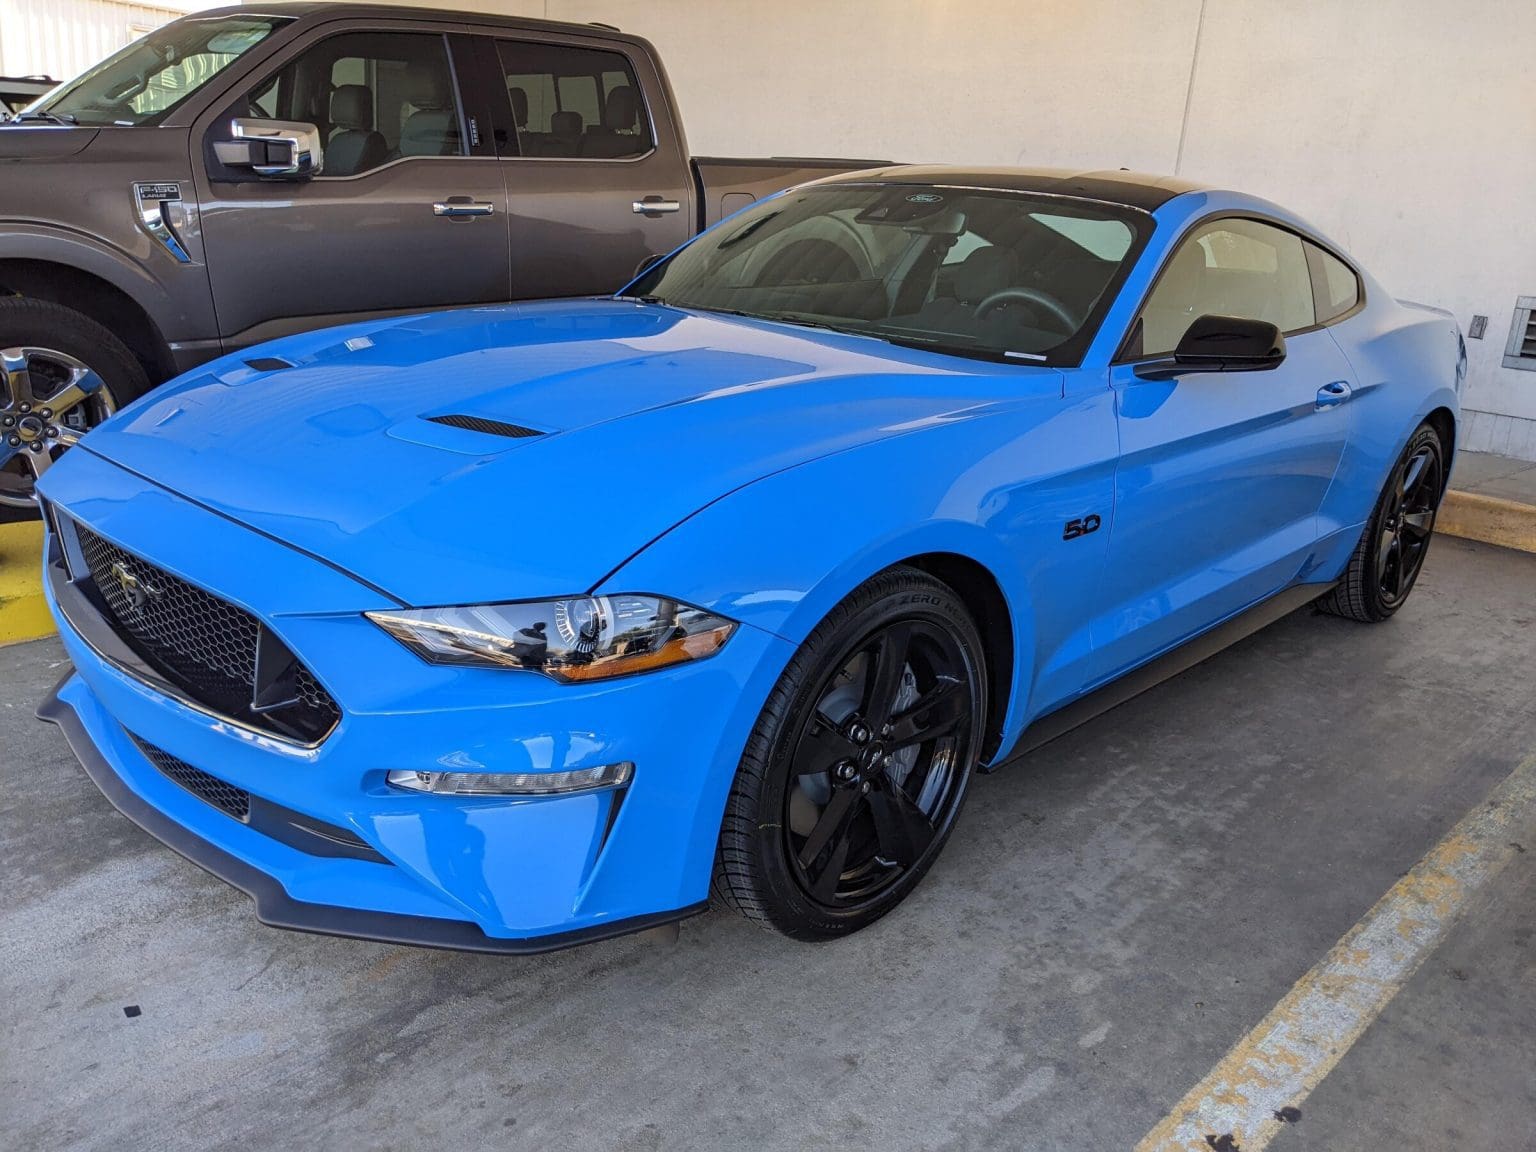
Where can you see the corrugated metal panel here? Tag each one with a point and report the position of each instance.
(62, 38)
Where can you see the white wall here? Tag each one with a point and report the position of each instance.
(1405, 129)
(62, 38)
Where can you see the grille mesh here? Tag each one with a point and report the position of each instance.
(206, 646)
(210, 789)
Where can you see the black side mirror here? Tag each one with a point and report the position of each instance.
(1220, 344)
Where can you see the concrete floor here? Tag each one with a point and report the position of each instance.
(1112, 914)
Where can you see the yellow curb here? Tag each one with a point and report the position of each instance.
(23, 612)
(1473, 516)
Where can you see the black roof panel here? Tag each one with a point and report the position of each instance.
(1134, 189)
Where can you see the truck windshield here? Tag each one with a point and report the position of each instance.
(973, 272)
(143, 82)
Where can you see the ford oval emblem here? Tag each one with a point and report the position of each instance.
(925, 198)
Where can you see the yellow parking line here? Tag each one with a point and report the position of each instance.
(1253, 1091)
(23, 612)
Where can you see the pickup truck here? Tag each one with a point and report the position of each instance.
(245, 173)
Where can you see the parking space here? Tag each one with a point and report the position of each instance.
(1111, 916)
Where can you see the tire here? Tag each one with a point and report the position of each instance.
(1387, 561)
(59, 341)
(866, 746)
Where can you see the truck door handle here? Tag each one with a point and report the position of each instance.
(1332, 395)
(456, 207)
(655, 205)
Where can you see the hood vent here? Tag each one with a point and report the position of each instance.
(489, 427)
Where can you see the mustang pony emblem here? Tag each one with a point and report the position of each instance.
(138, 592)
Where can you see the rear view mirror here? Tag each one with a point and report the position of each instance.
(1220, 344)
(272, 149)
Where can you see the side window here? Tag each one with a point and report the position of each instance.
(375, 96)
(574, 102)
(1334, 284)
(964, 245)
(1229, 268)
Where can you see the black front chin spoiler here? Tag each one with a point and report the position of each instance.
(276, 908)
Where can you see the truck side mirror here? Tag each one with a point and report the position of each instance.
(272, 149)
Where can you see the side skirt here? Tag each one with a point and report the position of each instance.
(1164, 667)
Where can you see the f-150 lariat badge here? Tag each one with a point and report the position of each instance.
(152, 200)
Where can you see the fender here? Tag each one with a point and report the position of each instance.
(823, 528)
(188, 317)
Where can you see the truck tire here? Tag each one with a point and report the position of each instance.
(61, 374)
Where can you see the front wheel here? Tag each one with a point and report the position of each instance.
(1387, 561)
(858, 766)
(61, 374)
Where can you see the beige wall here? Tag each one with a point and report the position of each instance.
(1406, 129)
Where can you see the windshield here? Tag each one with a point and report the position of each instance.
(999, 275)
(144, 81)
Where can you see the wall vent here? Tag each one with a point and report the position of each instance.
(489, 427)
(1521, 350)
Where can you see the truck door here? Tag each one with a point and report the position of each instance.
(407, 213)
(597, 175)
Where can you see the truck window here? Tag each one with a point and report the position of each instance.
(574, 103)
(375, 96)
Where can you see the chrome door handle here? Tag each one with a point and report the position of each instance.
(1332, 395)
(457, 206)
(655, 204)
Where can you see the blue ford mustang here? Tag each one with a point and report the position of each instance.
(507, 628)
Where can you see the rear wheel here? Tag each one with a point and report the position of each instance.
(61, 374)
(859, 764)
(1387, 561)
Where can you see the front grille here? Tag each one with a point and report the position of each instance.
(204, 646)
(209, 789)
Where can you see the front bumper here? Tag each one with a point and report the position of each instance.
(476, 873)
(67, 707)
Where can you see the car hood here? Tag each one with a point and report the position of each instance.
(578, 433)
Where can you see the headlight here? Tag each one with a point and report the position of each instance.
(579, 639)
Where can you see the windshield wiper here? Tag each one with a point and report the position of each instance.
(44, 115)
(798, 319)
(930, 344)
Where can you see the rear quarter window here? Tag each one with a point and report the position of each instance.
(1335, 286)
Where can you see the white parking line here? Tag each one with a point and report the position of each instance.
(1254, 1091)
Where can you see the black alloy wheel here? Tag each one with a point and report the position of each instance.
(1404, 533)
(860, 763)
(1390, 555)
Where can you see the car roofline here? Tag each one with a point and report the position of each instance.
(1140, 190)
(322, 11)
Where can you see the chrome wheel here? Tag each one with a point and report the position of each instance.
(1408, 524)
(878, 768)
(50, 399)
